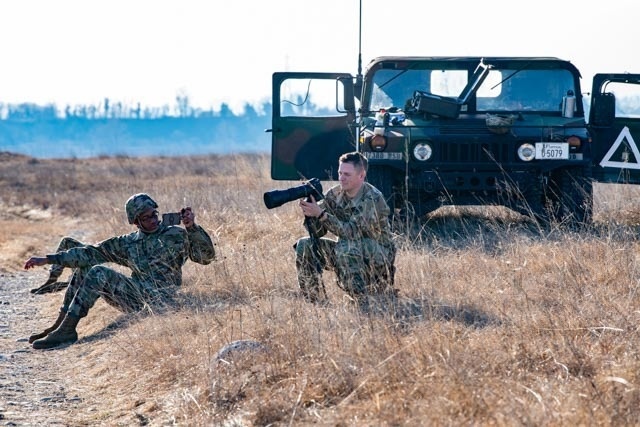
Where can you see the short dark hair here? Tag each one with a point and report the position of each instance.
(356, 159)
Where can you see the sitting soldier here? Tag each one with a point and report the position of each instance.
(155, 254)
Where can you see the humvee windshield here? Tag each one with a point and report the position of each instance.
(502, 90)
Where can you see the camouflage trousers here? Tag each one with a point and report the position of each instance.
(363, 267)
(66, 243)
(118, 290)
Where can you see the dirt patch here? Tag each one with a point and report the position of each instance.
(31, 231)
(38, 387)
(51, 387)
(32, 392)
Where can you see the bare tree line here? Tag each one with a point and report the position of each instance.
(109, 109)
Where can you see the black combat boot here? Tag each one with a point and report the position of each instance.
(313, 291)
(50, 329)
(66, 333)
(52, 284)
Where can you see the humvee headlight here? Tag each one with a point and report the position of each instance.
(422, 152)
(527, 152)
(378, 143)
(574, 141)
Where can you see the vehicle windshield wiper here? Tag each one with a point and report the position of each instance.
(511, 75)
(410, 67)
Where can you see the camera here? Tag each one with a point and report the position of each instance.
(172, 218)
(275, 198)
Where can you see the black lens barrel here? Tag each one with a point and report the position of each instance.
(275, 198)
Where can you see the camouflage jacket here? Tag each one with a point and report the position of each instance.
(364, 216)
(155, 258)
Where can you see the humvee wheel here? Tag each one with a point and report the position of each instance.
(573, 189)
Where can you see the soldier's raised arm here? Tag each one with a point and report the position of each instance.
(201, 249)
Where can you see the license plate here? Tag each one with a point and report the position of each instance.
(383, 156)
(552, 150)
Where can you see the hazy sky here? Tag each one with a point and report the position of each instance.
(149, 51)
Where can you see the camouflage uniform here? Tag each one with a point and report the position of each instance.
(67, 243)
(55, 271)
(155, 259)
(363, 256)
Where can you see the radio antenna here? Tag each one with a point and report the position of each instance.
(360, 41)
(358, 83)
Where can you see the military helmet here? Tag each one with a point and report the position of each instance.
(137, 204)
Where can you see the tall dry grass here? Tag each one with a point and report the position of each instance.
(498, 322)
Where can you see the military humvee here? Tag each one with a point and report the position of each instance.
(510, 131)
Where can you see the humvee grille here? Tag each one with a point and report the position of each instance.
(487, 153)
(458, 130)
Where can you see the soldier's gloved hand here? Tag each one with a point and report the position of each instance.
(188, 217)
(310, 208)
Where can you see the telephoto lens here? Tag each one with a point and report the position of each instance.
(275, 198)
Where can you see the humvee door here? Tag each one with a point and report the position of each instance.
(615, 129)
(312, 124)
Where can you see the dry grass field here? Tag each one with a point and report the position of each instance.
(498, 322)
